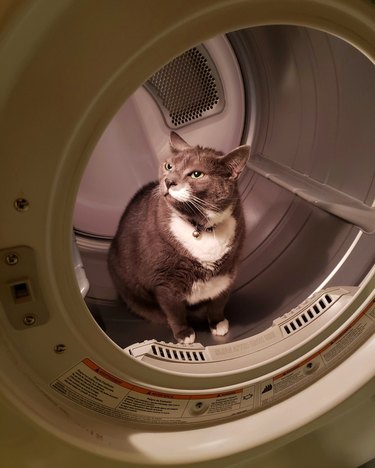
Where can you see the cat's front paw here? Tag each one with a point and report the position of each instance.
(221, 328)
(186, 336)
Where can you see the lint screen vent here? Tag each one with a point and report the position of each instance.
(188, 88)
(307, 315)
(175, 354)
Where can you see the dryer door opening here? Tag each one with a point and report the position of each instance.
(302, 310)
(292, 94)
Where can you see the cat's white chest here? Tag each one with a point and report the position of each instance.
(209, 247)
(205, 290)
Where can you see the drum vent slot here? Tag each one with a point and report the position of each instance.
(188, 88)
(308, 315)
(175, 354)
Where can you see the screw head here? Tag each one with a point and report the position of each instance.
(60, 348)
(11, 259)
(21, 204)
(29, 320)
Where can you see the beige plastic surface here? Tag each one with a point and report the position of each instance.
(66, 67)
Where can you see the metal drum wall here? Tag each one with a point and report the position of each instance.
(312, 140)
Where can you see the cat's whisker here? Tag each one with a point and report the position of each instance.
(190, 208)
(204, 204)
(199, 209)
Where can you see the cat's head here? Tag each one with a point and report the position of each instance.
(201, 183)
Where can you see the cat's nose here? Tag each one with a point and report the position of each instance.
(169, 183)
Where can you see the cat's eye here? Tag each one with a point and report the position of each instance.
(168, 166)
(196, 174)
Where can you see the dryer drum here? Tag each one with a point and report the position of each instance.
(292, 94)
(80, 134)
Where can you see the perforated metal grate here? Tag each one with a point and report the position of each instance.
(308, 315)
(188, 88)
(175, 354)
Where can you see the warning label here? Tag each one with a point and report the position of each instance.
(92, 387)
(307, 372)
(298, 377)
(343, 344)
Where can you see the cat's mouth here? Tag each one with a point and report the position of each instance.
(167, 194)
(169, 197)
(174, 202)
(181, 194)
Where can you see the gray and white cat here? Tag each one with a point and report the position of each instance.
(177, 246)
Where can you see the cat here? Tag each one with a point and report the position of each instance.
(178, 242)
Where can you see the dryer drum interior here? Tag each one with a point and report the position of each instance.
(304, 101)
(76, 364)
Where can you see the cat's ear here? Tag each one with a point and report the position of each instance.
(177, 143)
(236, 160)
